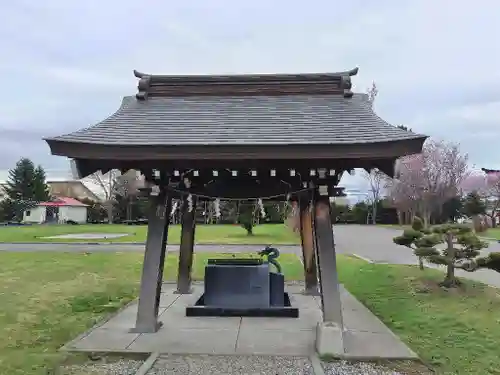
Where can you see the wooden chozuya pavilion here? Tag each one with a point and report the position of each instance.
(241, 137)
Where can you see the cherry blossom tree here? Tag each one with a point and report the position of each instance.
(424, 182)
(487, 186)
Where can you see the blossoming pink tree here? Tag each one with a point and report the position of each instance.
(487, 185)
(424, 182)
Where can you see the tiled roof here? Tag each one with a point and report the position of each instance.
(63, 201)
(242, 120)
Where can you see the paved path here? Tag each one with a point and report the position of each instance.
(370, 242)
(375, 243)
(114, 247)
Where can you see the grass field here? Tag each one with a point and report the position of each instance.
(492, 233)
(457, 331)
(276, 234)
(48, 298)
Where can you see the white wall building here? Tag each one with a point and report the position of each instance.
(59, 211)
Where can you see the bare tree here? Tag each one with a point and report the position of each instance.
(372, 93)
(377, 181)
(113, 183)
(426, 181)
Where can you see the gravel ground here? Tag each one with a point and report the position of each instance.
(118, 367)
(358, 368)
(230, 365)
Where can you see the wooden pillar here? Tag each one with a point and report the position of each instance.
(327, 261)
(308, 246)
(152, 269)
(187, 247)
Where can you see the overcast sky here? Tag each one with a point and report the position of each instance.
(66, 65)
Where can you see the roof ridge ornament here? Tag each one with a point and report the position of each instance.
(143, 85)
(346, 82)
(150, 85)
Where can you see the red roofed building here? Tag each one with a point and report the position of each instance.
(60, 210)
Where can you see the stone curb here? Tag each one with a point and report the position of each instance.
(148, 364)
(316, 365)
(362, 258)
(490, 239)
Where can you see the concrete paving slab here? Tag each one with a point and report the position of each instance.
(307, 320)
(187, 341)
(275, 341)
(363, 320)
(124, 320)
(105, 340)
(175, 318)
(365, 336)
(304, 302)
(167, 299)
(373, 345)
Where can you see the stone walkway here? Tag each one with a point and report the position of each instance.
(364, 337)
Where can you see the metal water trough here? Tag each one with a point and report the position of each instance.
(243, 287)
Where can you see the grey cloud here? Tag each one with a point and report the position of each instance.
(68, 64)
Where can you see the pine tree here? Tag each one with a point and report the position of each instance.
(461, 250)
(25, 187)
(474, 205)
(20, 181)
(40, 187)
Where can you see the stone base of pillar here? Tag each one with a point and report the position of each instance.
(149, 329)
(329, 340)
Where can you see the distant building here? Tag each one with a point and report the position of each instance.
(490, 171)
(72, 189)
(60, 210)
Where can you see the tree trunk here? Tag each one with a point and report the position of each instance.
(493, 219)
(400, 217)
(408, 217)
(109, 212)
(374, 214)
(476, 223)
(426, 218)
(129, 208)
(450, 280)
(421, 263)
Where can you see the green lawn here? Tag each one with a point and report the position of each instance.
(47, 298)
(492, 233)
(276, 234)
(457, 331)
